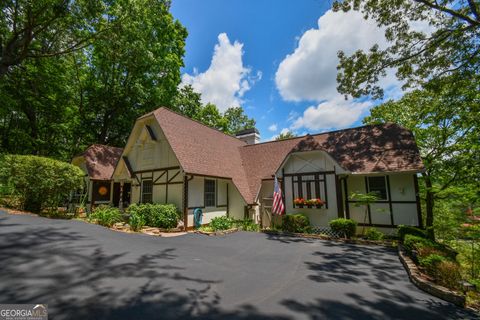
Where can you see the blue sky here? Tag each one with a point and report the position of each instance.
(276, 59)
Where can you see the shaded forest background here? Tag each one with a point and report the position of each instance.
(74, 73)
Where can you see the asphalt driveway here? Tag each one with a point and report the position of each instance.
(84, 271)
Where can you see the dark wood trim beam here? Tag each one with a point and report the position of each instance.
(166, 189)
(369, 210)
(347, 206)
(390, 206)
(338, 190)
(158, 169)
(417, 200)
(325, 188)
(309, 173)
(228, 203)
(165, 183)
(185, 202)
(159, 177)
(174, 176)
(386, 201)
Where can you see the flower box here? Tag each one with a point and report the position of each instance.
(312, 203)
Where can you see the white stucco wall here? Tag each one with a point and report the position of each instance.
(402, 188)
(196, 200)
(305, 162)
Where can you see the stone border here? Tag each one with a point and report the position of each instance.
(217, 233)
(432, 288)
(323, 237)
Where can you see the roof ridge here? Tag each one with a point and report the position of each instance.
(193, 120)
(322, 133)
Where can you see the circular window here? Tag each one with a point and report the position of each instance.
(102, 190)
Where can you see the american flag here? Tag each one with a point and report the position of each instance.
(277, 207)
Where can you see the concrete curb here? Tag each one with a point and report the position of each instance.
(432, 288)
(217, 233)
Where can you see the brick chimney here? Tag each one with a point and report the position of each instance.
(250, 136)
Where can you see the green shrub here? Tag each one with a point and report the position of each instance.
(298, 223)
(247, 225)
(163, 216)
(105, 215)
(374, 234)
(136, 222)
(345, 227)
(412, 242)
(404, 230)
(448, 274)
(39, 183)
(222, 223)
(430, 263)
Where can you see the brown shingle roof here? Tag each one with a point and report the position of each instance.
(373, 148)
(205, 151)
(101, 160)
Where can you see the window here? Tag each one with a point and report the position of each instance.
(147, 191)
(378, 185)
(310, 186)
(210, 193)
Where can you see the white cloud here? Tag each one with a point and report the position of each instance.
(309, 73)
(336, 113)
(226, 80)
(273, 127)
(284, 131)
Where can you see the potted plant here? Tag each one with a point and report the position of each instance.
(299, 202)
(315, 203)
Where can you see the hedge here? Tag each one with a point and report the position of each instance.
(404, 230)
(39, 183)
(156, 215)
(345, 227)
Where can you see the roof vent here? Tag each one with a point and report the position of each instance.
(249, 136)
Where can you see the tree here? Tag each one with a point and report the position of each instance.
(365, 200)
(451, 46)
(444, 118)
(285, 135)
(46, 28)
(237, 120)
(188, 102)
(133, 71)
(38, 111)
